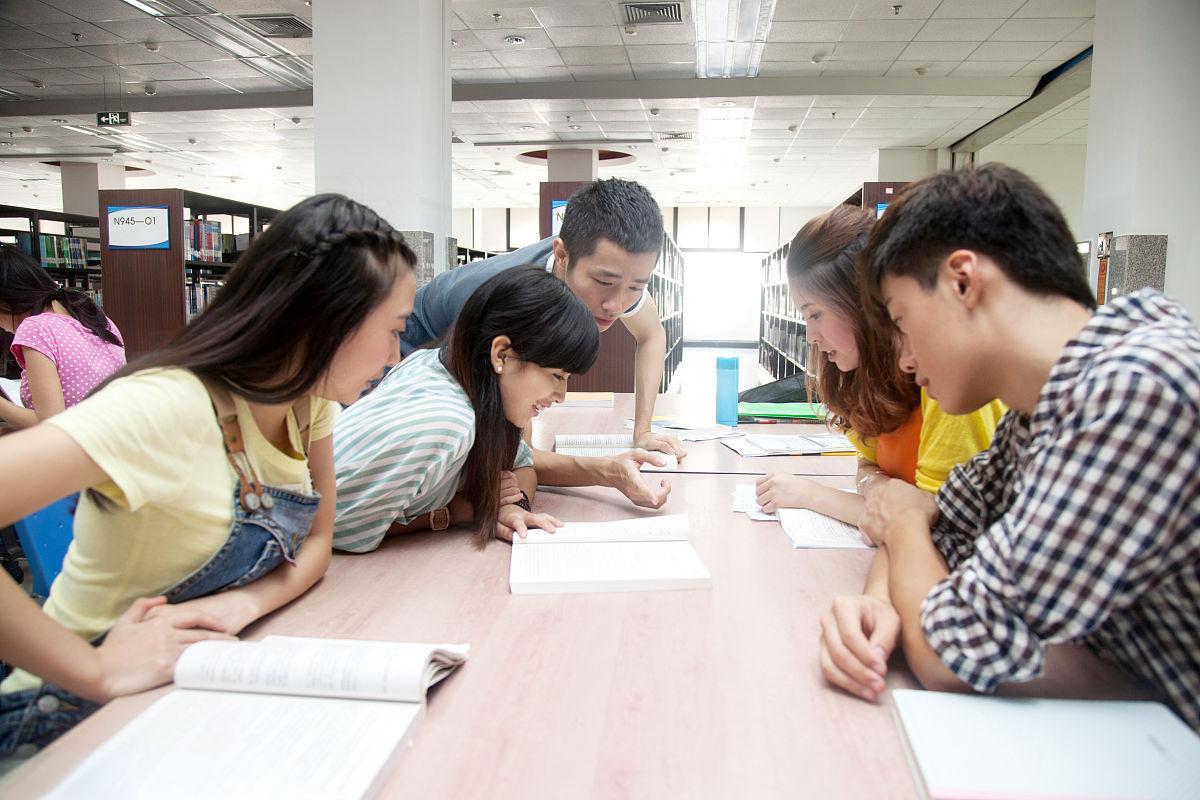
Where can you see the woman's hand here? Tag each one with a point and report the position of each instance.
(784, 491)
(514, 520)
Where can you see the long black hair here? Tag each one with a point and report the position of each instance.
(304, 285)
(548, 326)
(26, 288)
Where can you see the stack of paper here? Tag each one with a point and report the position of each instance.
(758, 445)
(618, 556)
(588, 400)
(745, 500)
(808, 529)
(603, 445)
(963, 746)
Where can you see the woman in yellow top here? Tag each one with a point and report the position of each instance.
(207, 467)
(899, 431)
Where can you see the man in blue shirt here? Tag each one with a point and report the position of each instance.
(606, 250)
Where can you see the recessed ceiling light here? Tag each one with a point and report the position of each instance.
(727, 104)
(573, 127)
(152, 47)
(59, 121)
(454, 42)
(654, 112)
(514, 39)
(526, 128)
(633, 147)
(817, 59)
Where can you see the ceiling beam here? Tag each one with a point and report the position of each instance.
(65, 107)
(742, 87)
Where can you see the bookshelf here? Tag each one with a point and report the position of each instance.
(72, 257)
(875, 195)
(782, 335)
(152, 293)
(613, 370)
(468, 255)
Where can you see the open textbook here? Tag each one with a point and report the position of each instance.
(963, 746)
(757, 445)
(808, 529)
(617, 556)
(601, 445)
(282, 717)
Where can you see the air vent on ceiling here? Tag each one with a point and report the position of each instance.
(673, 136)
(652, 13)
(279, 26)
(457, 140)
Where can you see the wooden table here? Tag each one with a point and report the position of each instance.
(709, 457)
(698, 694)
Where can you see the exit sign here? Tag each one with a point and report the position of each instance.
(112, 118)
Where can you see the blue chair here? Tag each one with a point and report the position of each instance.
(44, 536)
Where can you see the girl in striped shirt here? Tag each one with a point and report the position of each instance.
(438, 441)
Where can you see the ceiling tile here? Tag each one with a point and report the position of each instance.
(158, 72)
(494, 39)
(1008, 51)
(885, 9)
(1035, 30)
(481, 60)
(67, 57)
(532, 74)
(867, 51)
(898, 30)
(793, 51)
(480, 75)
(659, 71)
(1035, 69)
(971, 9)
(788, 69)
(938, 51)
(31, 12)
(875, 69)
(258, 84)
(21, 39)
(52, 77)
(660, 34)
(126, 54)
(199, 86)
(465, 42)
(789, 101)
(930, 69)
(957, 30)
(813, 10)
(1063, 51)
(519, 57)
(585, 37)
(604, 72)
(191, 51)
(145, 29)
(479, 19)
(577, 14)
(224, 68)
(66, 32)
(800, 31)
(15, 59)
(1058, 8)
(661, 54)
(1084, 33)
(593, 56)
(552, 106)
(619, 104)
(900, 101)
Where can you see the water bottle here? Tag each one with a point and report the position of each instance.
(727, 394)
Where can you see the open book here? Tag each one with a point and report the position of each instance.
(808, 529)
(963, 746)
(601, 445)
(283, 717)
(618, 556)
(757, 445)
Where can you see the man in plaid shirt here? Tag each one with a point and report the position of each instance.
(1082, 521)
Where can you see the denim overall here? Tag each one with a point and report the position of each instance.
(269, 527)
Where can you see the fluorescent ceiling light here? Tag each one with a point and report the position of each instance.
(79, 130)
(730, 35)
(140, 6)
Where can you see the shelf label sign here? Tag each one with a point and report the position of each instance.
(139, 228)
(108, 118)
(558, 210)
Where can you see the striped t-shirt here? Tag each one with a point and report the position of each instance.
(400, 451)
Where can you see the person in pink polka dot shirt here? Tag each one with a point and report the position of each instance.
(61, 339)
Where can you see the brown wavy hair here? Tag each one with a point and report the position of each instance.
(823, 260)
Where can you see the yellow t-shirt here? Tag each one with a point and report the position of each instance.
(944, 440)
(155, 434)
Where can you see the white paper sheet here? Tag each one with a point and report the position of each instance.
(745, 500)
(605, 567)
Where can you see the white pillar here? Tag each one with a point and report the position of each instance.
(1143, 165)
(572, 164)
(82, 182)
(381, 101)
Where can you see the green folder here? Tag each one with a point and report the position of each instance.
(803, 411)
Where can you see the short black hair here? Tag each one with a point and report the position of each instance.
(624, 212)
(994, 210)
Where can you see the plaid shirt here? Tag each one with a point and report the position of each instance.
(1082, 521)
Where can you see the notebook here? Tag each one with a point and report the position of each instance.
(283, 717)
(601, 445)
(10, 390)
(808, 529)
(988, 748)
(588, 400)
(619, 556)
(796, 411)
(745, 500)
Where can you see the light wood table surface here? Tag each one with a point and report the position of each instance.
(700, 694)
(709, 457)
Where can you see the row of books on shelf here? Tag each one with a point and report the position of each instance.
(200, 294)
(778, 300)
(61, 252)
(204, 240)
(786, 338)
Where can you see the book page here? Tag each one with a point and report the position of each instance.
(604, 446)
(622, 440)
(745, 501)
(807, 528)
(194, 745)
(606, 567)
(312, 667)
(792, 444)
(1002, 747)
(668, 528)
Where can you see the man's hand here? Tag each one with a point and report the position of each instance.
(858, 634)
(649, 440)
(888, 502)
(622, 472)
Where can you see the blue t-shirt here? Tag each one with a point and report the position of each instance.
(438, 302)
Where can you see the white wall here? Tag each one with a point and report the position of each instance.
(1143, 164)
(1057, 168)
(491, 229)
(721, 296)
(462, 226)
